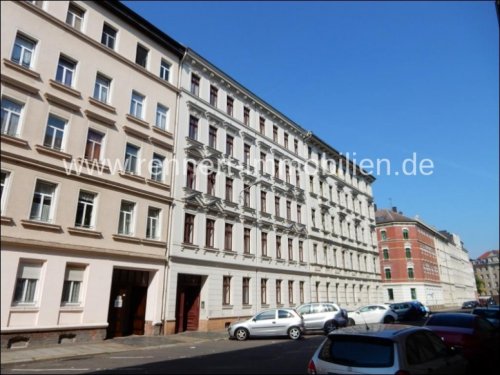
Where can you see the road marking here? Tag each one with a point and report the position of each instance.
(49, 369)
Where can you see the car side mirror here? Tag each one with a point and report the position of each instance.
(254, 320)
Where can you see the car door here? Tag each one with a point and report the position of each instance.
(361, 315)
(263, 324)
(313, 316)
(284, 321)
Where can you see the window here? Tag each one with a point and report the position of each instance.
(246, 116)
(157, 167)
(275, 133)
(41, 208)
(65, 71)
(286, 140)
(246, 154)
(229, 145)
(226, 290)
(383, 235)
(85, 210)
(3, 187)
(290, 292)
(229, 106)
(74, 17)
(390, 294)
(23, 50)
(214, 92)
(276, 168)
(211, 183)
(410, 273)
(11, 115)
(313, 217)
(246, 291)
(210, 233)
(131, 156)
(188, 228)
(386, 253)
(246, 240)
(126, 223)
(153, 224)
(408, 252)
(277, 206)
(278, 292)
(405, 234)
(161, 117)
(165, 70)
(413, 292)
(262, 162)
(141, 55)
(195, 84)
(289, 210)
(28, 275)
(101, 88)
(311, 183)
(309, 152)
(315, 253)
(229, 189)
(262, 125)
(263, 291)
(263, 244)
(193, 127)
(301, 251)
(136, 104)
(278, 247)
(296, 146)
(297, 178)
(287, 174)
(190, 176)
(387, 273)
(301, 292)
(73, 279)
(212, 136)
(228, 237)
(290, 249)
(246, 195)
(263, 201)
(108, 37)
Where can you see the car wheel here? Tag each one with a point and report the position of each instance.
(241, 334)
(388, 319)
(351, 322)
(294, 333)
(330, 326)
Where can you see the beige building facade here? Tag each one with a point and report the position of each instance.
(487, 269)
(89, 98)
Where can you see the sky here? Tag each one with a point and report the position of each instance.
(378, 80)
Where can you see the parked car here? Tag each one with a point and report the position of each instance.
(273, 322)
(385, 349)
(490, 313)
(408, 311)
(322, 316)
(372, 314)
(470, 304)
(472, 334)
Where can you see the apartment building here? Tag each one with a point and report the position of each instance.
(419, 262)
(88, 96)
(486, 268)
(262, 218)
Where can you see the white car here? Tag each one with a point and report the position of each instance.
(372, 314)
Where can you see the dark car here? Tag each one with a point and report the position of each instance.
(490, 313)
(408, 311)
(470, 304)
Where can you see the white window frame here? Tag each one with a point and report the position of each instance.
(134, 159)
(122, 219)
(136, 105)
(155, 176)
(5, 189)
(162, 116)
(75, 267)
(56, 130)
(65, 70)
(101, 154)
(86, 205)
(165, 67)
(8, 117)
(36, 293)
(52, 196)
(153, 222)
(24, 49)
(109, 37)
(102, 92)
(72, 20)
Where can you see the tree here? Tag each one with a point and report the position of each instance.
(481, 289)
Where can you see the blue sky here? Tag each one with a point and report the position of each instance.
(381, 79)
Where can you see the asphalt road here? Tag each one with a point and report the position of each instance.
(264, 356)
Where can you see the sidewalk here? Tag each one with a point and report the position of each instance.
(115, 345)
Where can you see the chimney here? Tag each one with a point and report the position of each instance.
(395, 209)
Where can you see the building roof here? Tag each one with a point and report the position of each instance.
(488, 254)
(388, 216)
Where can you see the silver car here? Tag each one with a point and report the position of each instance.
(274, 322)
(385, 349)
(322, 316)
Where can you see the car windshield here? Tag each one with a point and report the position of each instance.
(358, 351)
(464, 321)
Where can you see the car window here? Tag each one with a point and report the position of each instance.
(304, 310)
(364, 309)
(358, 351)
(457, 320)
(328, 307)
(266, 315)
(380, 308)
(316, 308)
(438, 344)
(419, 349)
(283, 314)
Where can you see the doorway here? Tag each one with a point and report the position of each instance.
(187, 308)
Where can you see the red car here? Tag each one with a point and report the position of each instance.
(473, 335)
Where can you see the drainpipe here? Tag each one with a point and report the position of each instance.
(169, 243)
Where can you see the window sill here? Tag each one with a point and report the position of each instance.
(158, 184)
(15, 141)
(125, 238)
(77, 307)
(100, 119)
(153, 242)
(280, 260)
(19, 85)
(132, 176)
(137, 121)
(32, 224)
(102, 105)
(230, 252)
(32, 307)
(190, 246)
(248, 255)
(30, 73)
(163, 132)
(209, 249)
(53, 99)
(66, 89)
(5, 220)
(53, 153)
(227, 307)
(84, 232)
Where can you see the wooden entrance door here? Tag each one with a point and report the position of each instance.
(187, 315)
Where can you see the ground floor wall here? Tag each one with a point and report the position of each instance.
(427, 293)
